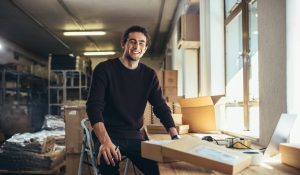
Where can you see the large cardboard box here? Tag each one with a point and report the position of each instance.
(160, 76)
(152, 149)
(170, 78)
(177, 119)
(206, 154)
(198, 152)
(170, 94)
(74, 132)
(72, 164)
(199, 113)
(290, 154)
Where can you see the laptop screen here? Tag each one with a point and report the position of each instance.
(280, 134)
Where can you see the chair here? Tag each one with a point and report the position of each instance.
(87, 150)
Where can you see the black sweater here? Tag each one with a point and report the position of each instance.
(118, 98)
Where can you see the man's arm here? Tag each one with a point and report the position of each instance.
(107, 149)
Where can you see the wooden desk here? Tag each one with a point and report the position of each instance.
(268, 167)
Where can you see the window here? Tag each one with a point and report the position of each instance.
(242, 97)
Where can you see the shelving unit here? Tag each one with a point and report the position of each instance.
(23, 101)
(65, 84)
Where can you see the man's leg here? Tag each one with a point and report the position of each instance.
(133, 152)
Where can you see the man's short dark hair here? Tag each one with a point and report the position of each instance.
(136, 29)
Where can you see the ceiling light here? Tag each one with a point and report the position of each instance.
(99, 53)
(84, 33)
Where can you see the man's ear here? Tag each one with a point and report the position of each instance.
(122, 45)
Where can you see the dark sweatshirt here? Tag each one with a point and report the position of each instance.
(118, 98)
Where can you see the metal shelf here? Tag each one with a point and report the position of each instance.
(64, 86)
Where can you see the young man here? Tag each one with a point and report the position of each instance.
(118, 95)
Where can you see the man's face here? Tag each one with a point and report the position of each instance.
(135, 46)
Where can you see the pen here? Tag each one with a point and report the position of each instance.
(117, 147)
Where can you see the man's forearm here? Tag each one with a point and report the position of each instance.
(101, 133)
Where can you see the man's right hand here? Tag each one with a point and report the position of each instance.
(107, 149)
(110, 153)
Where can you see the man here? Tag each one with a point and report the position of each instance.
(118, 95)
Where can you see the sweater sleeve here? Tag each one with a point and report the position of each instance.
(160, 108)
(95, 102)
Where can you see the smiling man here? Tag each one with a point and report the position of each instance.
(119, 92)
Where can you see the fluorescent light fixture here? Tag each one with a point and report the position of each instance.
(99, 53)
(84, 33)
(1, 46)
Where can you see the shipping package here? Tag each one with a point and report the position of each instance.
(199, 113)
(73, 115)
(290, 154)
(152, 149)
(207, 155)
(177, 119)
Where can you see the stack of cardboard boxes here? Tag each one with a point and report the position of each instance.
(168, 82)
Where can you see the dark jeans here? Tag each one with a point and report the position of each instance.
(130, 148)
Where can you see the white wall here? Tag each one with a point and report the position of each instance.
(293, 63)
(272, 65)
(212, 69)
(190, 75)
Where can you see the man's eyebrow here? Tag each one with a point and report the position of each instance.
(132, 39)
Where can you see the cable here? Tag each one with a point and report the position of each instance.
(232, 146)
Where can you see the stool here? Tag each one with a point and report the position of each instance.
(87, 150)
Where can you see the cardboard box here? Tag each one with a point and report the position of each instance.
(74, 132)
(199, 113)
(170, 94)
(160, 129)
(170, 78)
(160, 77)
(177, 108)
(206, 154)
(177, 119)
(290, 154)
(148, 114)
(152, 149)
(72, 164)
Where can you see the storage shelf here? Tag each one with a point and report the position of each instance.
(23, 97)
(66, 85)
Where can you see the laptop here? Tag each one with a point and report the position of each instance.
(280, 134)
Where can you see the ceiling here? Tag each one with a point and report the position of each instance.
(38, 25)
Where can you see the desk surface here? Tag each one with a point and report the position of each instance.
(268, 167)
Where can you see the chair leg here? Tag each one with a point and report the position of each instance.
(81, 156)
(128, 162)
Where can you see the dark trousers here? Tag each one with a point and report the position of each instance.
(131, 148)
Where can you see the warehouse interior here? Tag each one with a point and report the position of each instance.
(226, 67)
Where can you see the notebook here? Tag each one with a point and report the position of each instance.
(280, 134)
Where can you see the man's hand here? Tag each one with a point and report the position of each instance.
(110, 153)
(108, 150)
(173, 133)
